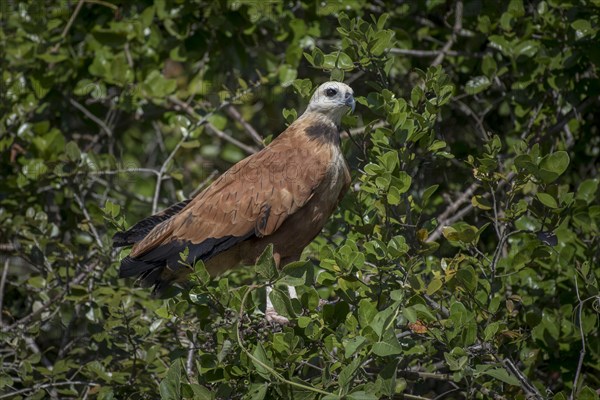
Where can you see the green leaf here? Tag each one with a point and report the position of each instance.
(382, 41)
(260, 354)
(527, 48)
(582, 28)
(547, 200)
(347, 373)
(265, 266)
(387, 378)
(287, 75)
(587, 190)
(435, 285)
(588, 393)
(553, 165)
(481, 202)
(170, 386)
(490, 331)
(297, 273)
(467, 276)
(345, 62)
(427, 193)
(489, 66)
(351, 346)
(477, 84)
(500, 43)
(502, 375)
(257, 391)
(156, 85)
(387, 348)
(282, 304)
(362, 395)
(303, 87)
(402, 182)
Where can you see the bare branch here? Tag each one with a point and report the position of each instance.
(234, 113)
(449, 215)
(45, 386)
(189, 363)
(68, 26)
(222, 135)
(458, 15)
(432, 53)
(528, 387)
(2, 284)
(87, 216)
(571, 114)
(91, 116)
(161, 172)
(211, 128)
(452, 214)
(582, 336)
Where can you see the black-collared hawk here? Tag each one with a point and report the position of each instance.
(282, 195)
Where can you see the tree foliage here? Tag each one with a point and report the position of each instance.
(463, 263)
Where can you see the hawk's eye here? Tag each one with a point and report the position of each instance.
(330, 92)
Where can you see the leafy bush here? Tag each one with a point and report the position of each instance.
(463, 263)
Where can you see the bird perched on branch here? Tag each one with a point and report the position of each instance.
(282, 195)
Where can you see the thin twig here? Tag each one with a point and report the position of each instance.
(222, 135)
(87, 216)
(451, 215)
(68, 26)
(432, 53)
(458, 15)
(161, 172)
(189, 364)
(2, 283)
(203, 184)
(235, 114)
(124, 171)
(571, 114)
(33, 346)
(582, 335)
(91, 116)
(445, 218)
(527, 386)
(361, 130)
(204, 121)
(45, 386)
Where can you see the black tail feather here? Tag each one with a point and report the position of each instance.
(149, 268)
(135, 266)
(138, 231)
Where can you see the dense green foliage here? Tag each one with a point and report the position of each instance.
(463, 263)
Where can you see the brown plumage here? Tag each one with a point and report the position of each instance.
(282, 195)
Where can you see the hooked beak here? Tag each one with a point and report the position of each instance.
(350, 102)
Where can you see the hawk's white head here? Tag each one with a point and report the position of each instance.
(334, 99)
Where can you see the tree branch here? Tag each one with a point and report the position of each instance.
(458, 15)
(2, 284)
(45, 386)
(582, 336)
(449, 215)
(91, 116)
(234, 113)
(210, 127)
(161, 172)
